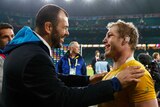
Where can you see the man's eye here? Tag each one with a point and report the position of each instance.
(66, 28)
(4, 37)
(109, 35)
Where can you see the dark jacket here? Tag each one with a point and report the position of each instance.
(64, 67)
(30, 79)
(93, 64)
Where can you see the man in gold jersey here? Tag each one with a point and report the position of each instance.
(120, 43)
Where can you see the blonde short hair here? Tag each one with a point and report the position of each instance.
(126, 29)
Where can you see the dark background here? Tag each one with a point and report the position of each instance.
(84, 8)
(88, 19)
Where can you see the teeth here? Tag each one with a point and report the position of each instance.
(107, 47)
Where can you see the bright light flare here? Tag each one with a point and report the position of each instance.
(115, 1)
(47, 1)
(88, 0)
(68, 0)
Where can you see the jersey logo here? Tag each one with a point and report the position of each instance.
(146, 90)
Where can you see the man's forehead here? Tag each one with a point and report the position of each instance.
(63, 21)
(113, 28)
(6, 31)
(108, 32)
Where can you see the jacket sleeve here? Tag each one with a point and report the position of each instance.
(74, 80)
(41, 79)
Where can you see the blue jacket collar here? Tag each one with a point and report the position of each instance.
(25, 35)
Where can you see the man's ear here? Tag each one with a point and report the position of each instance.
(48, 27)
(126, 40)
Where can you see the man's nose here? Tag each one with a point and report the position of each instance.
(104, 40)
(9, 38)
(67, 33)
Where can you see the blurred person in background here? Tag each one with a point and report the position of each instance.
(120, 43)
(153, 68)
(72, 63)
(94, 60)
(156, 58)
(6, 35)
(102, 65)
(35, 83)
(145, 59)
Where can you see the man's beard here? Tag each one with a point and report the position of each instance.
(56, 41)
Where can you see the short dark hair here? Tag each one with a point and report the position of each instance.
(49, 13)
(102, 56)
(144, 58)
(5, 26)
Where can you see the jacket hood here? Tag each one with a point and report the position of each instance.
(25, 35)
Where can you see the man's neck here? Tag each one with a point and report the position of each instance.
(72, 55)
(44, 42)
(118, 61)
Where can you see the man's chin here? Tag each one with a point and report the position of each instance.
(58, 45)
(107, 55)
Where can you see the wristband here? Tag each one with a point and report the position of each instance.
(116, 84)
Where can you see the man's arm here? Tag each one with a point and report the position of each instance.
(69, 80)
(74, 80)
(41, 80)
(150, 103)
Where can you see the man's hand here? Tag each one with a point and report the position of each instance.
(97, 77)
(129, 75)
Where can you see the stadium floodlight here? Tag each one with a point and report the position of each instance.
(47, 1)
(95, 45)
(89, 45)
(116, 1)
(89, 1)
(68, 0)
(101, 45)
